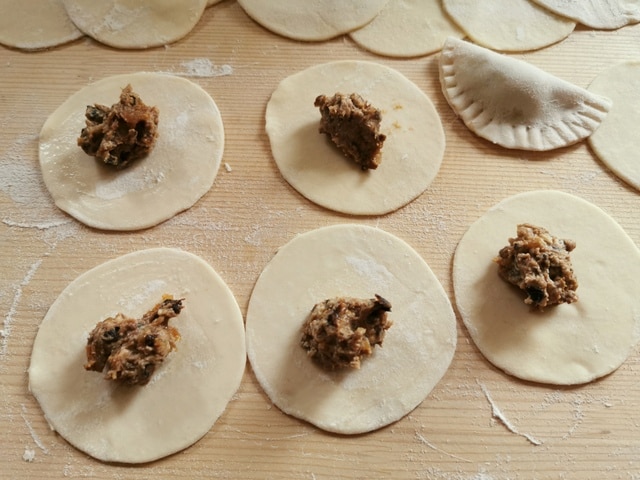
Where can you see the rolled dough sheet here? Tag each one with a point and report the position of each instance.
(312, 20)
(188, 391)
(35, 24)
(411, 154)
(135, 23)
(407, 28)
(508, 25)
(616, 141)
(179, 170)
(599, 14)
(567, 344)
(356, 261)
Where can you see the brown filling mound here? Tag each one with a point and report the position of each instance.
(539, 264)
(339, 332)
(122, 133)
(353, 125)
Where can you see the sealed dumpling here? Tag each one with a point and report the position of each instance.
(599, 14)
(514, 104)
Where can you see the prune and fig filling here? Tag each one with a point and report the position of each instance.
(122, 133)
(340, 332)
(353, 125)
(128, 349)
(539, 264)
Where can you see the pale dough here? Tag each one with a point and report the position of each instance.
(565, 344)
(600, 14)
(179, 170)
(513, 103)
(135, 23)
(188, 391)
(312, 20)
(616, 141)
(411, 154)
(35, 24)
(508, 25)
(407, 28)
(354, 261)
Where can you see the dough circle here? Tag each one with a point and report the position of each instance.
(615, 142)
(407, 28)
(564, 345)
(508, 25)
(188, 391)
(135, 23)
(312, 20)
(357, 261)
(35, 24)
(411, 154)
(599, 14)
(179, 170)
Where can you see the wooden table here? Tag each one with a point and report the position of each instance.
(477, 424)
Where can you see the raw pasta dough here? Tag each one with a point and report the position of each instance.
(178, 171)
(602, 14)
(411, 154)
(312, 20)
(508, 25)
(514, 104)
(566, 344)
(356, 261)
(35, 24)
(188, 391)
(407, 28)
(135, 23)
(616, 141)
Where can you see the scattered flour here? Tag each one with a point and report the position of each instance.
(201, 68)
(29, 455)
(32, 432)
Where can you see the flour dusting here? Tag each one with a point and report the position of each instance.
(201, 68)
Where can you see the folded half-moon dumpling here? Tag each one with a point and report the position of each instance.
(514, 104)
(599, 14)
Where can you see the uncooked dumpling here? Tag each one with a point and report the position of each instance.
(508, 25)
(410, 157)
(514, 104)
(35, 24)
(407, 28)
(135, 23)
(178, 171)
(566, 344)
(601, 14)
(188, 391)
(616, 141)
(349, 261)
(312, 20)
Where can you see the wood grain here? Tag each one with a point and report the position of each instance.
(591, 431)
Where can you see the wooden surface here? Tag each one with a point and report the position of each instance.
(475, 423)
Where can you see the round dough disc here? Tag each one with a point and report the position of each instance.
(312, 20)
(308, 160)
(355, 261)
(135, 23)
(176, 173)
(188, 391)
(407, 28)
(35, 24)
(508, 25)
(567, 344)
(615, 142)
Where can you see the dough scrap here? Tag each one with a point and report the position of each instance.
(352, 260)
(135, 23)
(599, 14)
(412, 151)
(568, 344)
(407, 28)
(152, 189)
(312, 20)
(616, 141)
(35, 24)
(508, 25)
(188, 392)
(513, 103)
